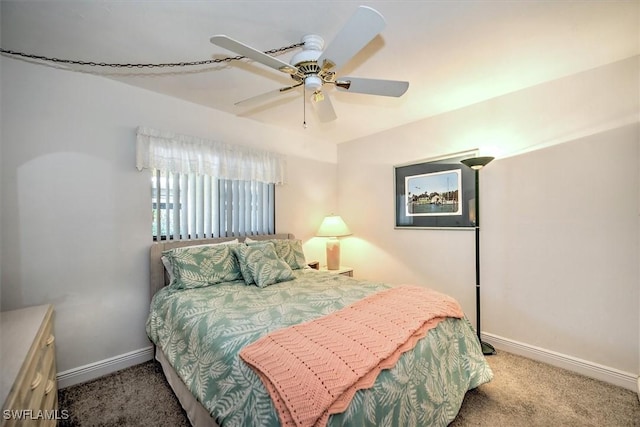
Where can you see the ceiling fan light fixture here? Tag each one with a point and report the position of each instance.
(312, 82)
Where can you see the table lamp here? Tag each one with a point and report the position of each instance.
(333, 227)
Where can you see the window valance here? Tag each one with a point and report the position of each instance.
(176, 153)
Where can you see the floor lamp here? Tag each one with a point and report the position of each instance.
(477, 163)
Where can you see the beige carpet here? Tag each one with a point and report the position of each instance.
(529, 393)
(523, 393)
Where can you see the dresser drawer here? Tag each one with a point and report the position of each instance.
(34, 394)
(41, 384)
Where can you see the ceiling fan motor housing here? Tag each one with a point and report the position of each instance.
(307, 62)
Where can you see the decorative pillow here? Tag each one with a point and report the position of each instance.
(240, 252)
(166, 261)
(262, 264)
(287, 249)
(199, 266)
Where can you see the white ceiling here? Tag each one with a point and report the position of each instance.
(453, 53)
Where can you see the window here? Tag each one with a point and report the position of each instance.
(202, 188)
(189, 206)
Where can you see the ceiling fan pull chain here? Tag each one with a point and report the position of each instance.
(304, 107)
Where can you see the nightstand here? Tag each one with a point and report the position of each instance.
(343, 270)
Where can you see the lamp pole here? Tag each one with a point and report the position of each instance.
(477, 163)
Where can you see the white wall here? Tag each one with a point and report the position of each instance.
(76, 219)
(560, 276)
(561, 258)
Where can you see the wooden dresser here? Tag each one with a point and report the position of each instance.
(27, 354)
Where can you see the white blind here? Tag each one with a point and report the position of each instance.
(167, 151)
(202, 188)
(190, 206)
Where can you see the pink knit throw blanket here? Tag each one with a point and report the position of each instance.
(314, 369)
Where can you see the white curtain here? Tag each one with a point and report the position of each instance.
(184, 154)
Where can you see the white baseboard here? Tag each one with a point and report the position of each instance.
(593, 370)
(103, 367)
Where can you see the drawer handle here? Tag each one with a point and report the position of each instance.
(49, 387)
(36, 382)
(50, 340)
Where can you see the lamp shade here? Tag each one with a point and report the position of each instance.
(477, 162)
(333, 226)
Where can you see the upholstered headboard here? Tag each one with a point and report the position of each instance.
(156, 268)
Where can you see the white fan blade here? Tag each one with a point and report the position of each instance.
(361, 28)
(265, 96)
(251, 53)
(323, 107)
(372, 86)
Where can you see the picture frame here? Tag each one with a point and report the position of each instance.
(435, 193)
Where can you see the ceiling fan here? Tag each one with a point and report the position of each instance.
(314, 67)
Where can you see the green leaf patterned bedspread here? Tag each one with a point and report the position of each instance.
(201, 331)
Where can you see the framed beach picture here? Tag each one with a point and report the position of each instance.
(435, 193)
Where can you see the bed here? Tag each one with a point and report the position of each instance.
(199, 333)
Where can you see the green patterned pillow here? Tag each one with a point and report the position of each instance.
(199, 266)
(240, 251)
(287, 249)
(166, 261)
(263, 264)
